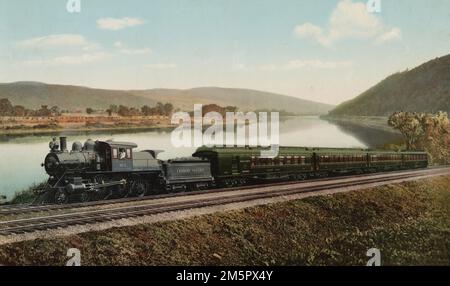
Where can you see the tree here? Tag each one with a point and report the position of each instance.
(44, 111)
(89, 110)
(134, 112)
(409, 124)
(168, 109)
(19, 110)
(6, 108)
(55, 111)
(113, 108)
(160, 108)
(146, 110)
(123, 110)
(424, 131)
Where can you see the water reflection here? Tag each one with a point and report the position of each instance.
(372, 138)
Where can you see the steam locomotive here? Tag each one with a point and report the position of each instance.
(98, 170)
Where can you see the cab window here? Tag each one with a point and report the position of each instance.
(114, 153)
(128, 153)
(122, 153)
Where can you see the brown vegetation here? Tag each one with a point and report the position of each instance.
(424, 131)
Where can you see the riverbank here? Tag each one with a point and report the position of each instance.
(373, 122)
(49, 128)
(59, 129)
(79, 123)
(408, 222)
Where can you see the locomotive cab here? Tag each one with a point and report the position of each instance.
(115, 156)
(120, 157)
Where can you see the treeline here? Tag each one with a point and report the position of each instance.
(163, 109)
(160, 109)
(7, 109)
(425, 131)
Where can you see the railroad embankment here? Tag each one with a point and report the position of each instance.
(408, 222)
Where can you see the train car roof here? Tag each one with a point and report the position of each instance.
(246, 149)
(120, 144)
(218, 150)
(395, 152)
(209, 151)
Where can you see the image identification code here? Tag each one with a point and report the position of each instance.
(235, 275)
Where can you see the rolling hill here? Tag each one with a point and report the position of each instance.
(425, 88)
(35, 94)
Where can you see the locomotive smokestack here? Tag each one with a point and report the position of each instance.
(63, 143)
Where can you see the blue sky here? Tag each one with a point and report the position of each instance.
(323, 50)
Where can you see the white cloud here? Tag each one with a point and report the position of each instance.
(86, 58)
(160, 66)
(393, 34)
(58, 41)
(62, 49)
(123, 49)
(349, 20)
(115, 24)
(309, 30)
(307, 64)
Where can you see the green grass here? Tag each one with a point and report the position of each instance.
(408, 222)
(28, 195)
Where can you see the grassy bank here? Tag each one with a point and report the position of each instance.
(408, 222)
(27, 195)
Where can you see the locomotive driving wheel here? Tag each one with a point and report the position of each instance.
(85, 197)
(61, 197)
(137, 188)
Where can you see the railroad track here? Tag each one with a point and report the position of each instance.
(150, 207)
(29, 208)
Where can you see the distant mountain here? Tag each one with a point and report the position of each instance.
(35, 94)
(244, 99)
(425, 88)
